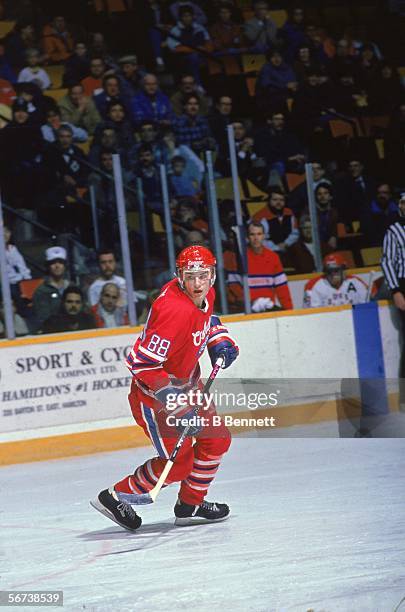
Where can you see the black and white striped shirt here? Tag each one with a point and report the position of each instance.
(393, 257)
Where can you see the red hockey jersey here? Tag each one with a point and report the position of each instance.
(174, 338)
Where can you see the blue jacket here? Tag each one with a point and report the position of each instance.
(275, 77)
(142, 108)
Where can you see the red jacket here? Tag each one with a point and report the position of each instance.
(266, 277)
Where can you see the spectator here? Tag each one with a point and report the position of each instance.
(379, 215)
(334, 287)
(219, 120)
(354, 192)
(47, 297)
(226, 35)
(276, 82)
(369, 65)
(66, 160)
(58, 41)
(181, 185)
(105, 196)
(117, 118)
(311, 104)
(187, 87)
(99, 49)
(191, 128)
(106, 312)
(111, 92)
(327, 215)
(79, 110)
(385, 91)
(20, 326)
(147, 133)
(349, 97)
(279, 146)
(20, 39)
(108, 265)
(280, 225)
(176, 7)
(153, 15)
(7, 93)
(16, 270)
(260, 31)
(130, 75)
(187, 219)
(33, 73)
(151, 104)
(93, 83)
(53, 123)
(71, 316)
(343, 62)
(77, 67)
(298, 198)
(322, 47)
(303, 251)
(170, 149)
(21, 150)
(107, 139)
(189, 41)
(305, 64)
(38, 103)
(293, 32)
(267, 280)
(146, 169)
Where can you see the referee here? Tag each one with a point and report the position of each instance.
(393, 266)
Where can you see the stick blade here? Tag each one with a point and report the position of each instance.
(135, 499)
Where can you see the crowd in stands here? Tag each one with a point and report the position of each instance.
(159, 82)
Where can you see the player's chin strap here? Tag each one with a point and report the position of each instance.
(136, 499)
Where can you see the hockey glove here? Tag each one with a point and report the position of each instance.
(228, 350)
(168, 397)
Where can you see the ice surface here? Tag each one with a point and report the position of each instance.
(316, 524)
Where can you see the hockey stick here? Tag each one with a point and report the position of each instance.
(149, 497)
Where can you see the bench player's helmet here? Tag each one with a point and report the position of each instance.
(195, 259)
(334, 266)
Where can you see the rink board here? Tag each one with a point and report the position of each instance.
(64, 395)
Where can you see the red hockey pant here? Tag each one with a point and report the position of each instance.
(195, 465)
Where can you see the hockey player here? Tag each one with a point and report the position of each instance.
(334, 287)
(164, 363)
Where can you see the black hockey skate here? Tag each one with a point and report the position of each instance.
(121, 513)
(207, 512)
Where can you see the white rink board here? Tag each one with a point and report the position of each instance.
(58, 383)
(39, 391)
(390, 325)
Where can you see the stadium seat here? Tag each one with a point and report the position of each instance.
(348, 255)
(252, 63)
(340, 128)
(254, 207)
(85, 146)
(380, 146)
(157, 224)
(133, 220)
(56, 75)
(294, 180)
(371, 256)
(56, 94)
(6, 27)
(224, 189)
(251, 86)
(28, 287)
(279, 17)
(344, 232)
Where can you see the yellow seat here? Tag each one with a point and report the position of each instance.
(279, 17)
(157, 224)
(380, 146)
(56, 94)
(133, 220)
(371, 256)
(253, 208)
(401, 71)
(6, 27)
(56, 75)
(85, 146)
(254, 192)
(224, 189)
(252, 62)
